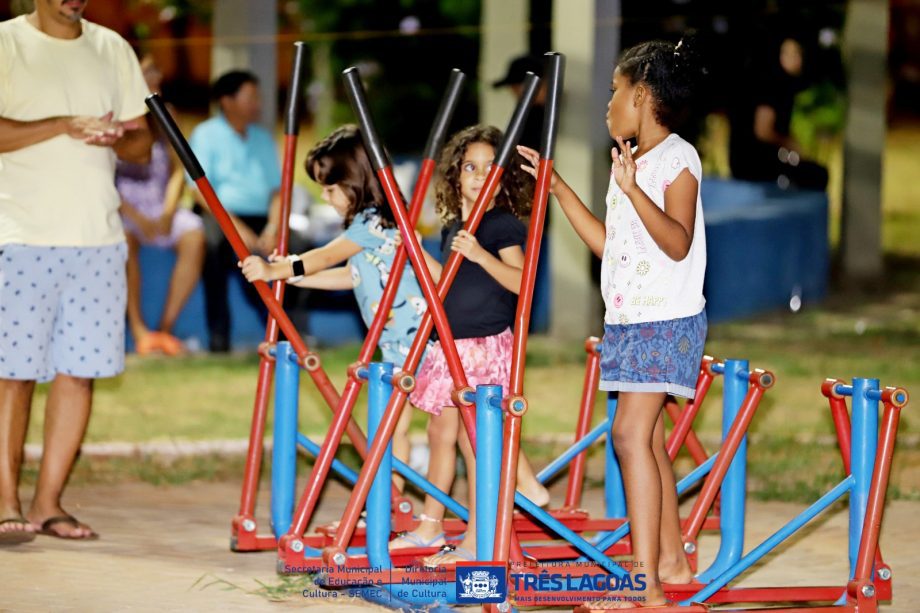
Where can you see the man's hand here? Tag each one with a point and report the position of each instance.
(101, 131)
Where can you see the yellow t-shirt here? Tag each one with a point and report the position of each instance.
(61, 192)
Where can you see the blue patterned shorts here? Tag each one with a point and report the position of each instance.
(657, 356)
(62, 310)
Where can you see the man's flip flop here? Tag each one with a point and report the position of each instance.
(65, 519)
(15, 537)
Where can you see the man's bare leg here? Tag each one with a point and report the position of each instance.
(66, 417)
(15, 400)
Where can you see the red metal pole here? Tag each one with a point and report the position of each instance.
(843, 428)
(516, 403)
(310, 497)
(585, 414)
(430, 291)
(309, 360)
(691, 442)
(397, 400)
(506, 544)
(894, 399)
(841, 417)
(683, 422)
(266, 364)
(761, 381)
(335, 554)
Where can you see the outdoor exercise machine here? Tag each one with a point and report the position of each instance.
(497, 422)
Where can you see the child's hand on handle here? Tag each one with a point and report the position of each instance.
(398, 238)
(466, 244)
(255, 269)
(624, 167)
(274, 256)
(533, 157)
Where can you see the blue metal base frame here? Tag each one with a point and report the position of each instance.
(729, 562)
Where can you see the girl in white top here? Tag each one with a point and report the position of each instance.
(653, 247)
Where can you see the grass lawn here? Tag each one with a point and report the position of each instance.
(877, 336)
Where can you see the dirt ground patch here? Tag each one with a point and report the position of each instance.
(166, 548)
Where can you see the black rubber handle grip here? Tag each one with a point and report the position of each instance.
(180, 145)
(355, 90)
(555, 76)
(445, 113)
(516, 125)
(292, 109)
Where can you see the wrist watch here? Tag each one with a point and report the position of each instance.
(296, 268)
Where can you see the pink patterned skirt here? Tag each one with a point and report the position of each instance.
(486, 361)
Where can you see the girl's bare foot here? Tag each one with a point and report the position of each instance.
(536, 493)
(676, 572)
(646, 593)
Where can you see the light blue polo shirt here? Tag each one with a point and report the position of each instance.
(244, 171)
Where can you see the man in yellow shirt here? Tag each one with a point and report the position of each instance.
(71, 101)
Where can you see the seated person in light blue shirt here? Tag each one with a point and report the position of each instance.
(241, 162)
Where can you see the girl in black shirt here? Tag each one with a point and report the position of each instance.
(480, 308)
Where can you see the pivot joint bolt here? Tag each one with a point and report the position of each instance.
(296, 546)
(339, 559)
(868, 591)
(249, 525)
(690, 548)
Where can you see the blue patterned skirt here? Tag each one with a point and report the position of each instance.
(656, 356)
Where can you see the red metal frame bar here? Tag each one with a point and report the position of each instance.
(683, 434)
(843, 428)
(310, 496)
(308, 360)
(515, 405)
(245, 524)
(861, 589)
(585, 414)
(336, 553)
(397, 400)
(353, 384)
(760, 381)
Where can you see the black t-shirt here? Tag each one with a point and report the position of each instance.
(749, 155)
(477, 305)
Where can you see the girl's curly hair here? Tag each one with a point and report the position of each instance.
(516, 190)
(341, 159)
(674, 74)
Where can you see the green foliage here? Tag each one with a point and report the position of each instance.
(403, 73)
(820, 113)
